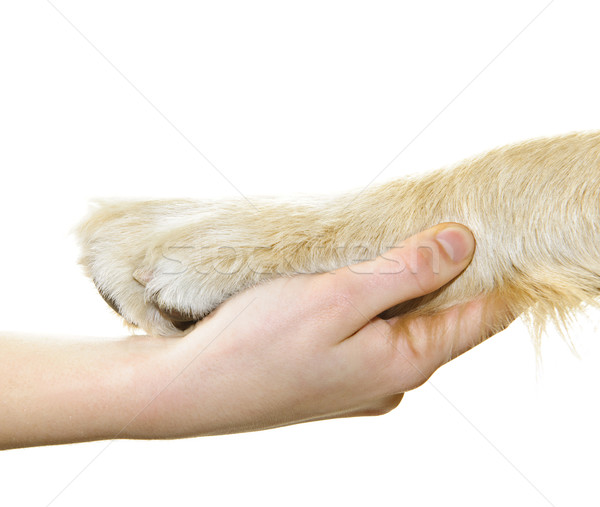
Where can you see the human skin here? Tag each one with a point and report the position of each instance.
(292, 350)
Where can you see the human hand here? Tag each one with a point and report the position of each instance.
(311, 347)
(292, 350)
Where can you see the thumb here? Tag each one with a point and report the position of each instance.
(418, 266)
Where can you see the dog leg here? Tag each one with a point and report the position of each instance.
(533, 208)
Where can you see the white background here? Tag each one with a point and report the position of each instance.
(285, 97)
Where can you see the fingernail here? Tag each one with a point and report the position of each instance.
(457, 242)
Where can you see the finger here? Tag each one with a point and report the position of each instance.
(426, 343)
(406, 351)
(470, 324)
(419, 265)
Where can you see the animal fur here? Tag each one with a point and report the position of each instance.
(533, 207)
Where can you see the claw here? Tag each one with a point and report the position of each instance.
(142, 276)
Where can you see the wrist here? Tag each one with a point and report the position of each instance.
(148, 381)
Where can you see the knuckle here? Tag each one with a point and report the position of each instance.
(408, 357)
(423, 261)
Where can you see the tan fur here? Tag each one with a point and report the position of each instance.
(533, 208)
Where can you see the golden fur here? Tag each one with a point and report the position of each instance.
(533, 207)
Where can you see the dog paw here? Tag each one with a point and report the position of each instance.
(164, 265)
(115, 240)
(189, 270)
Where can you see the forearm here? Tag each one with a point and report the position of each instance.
(55, 391)
(58, 391)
